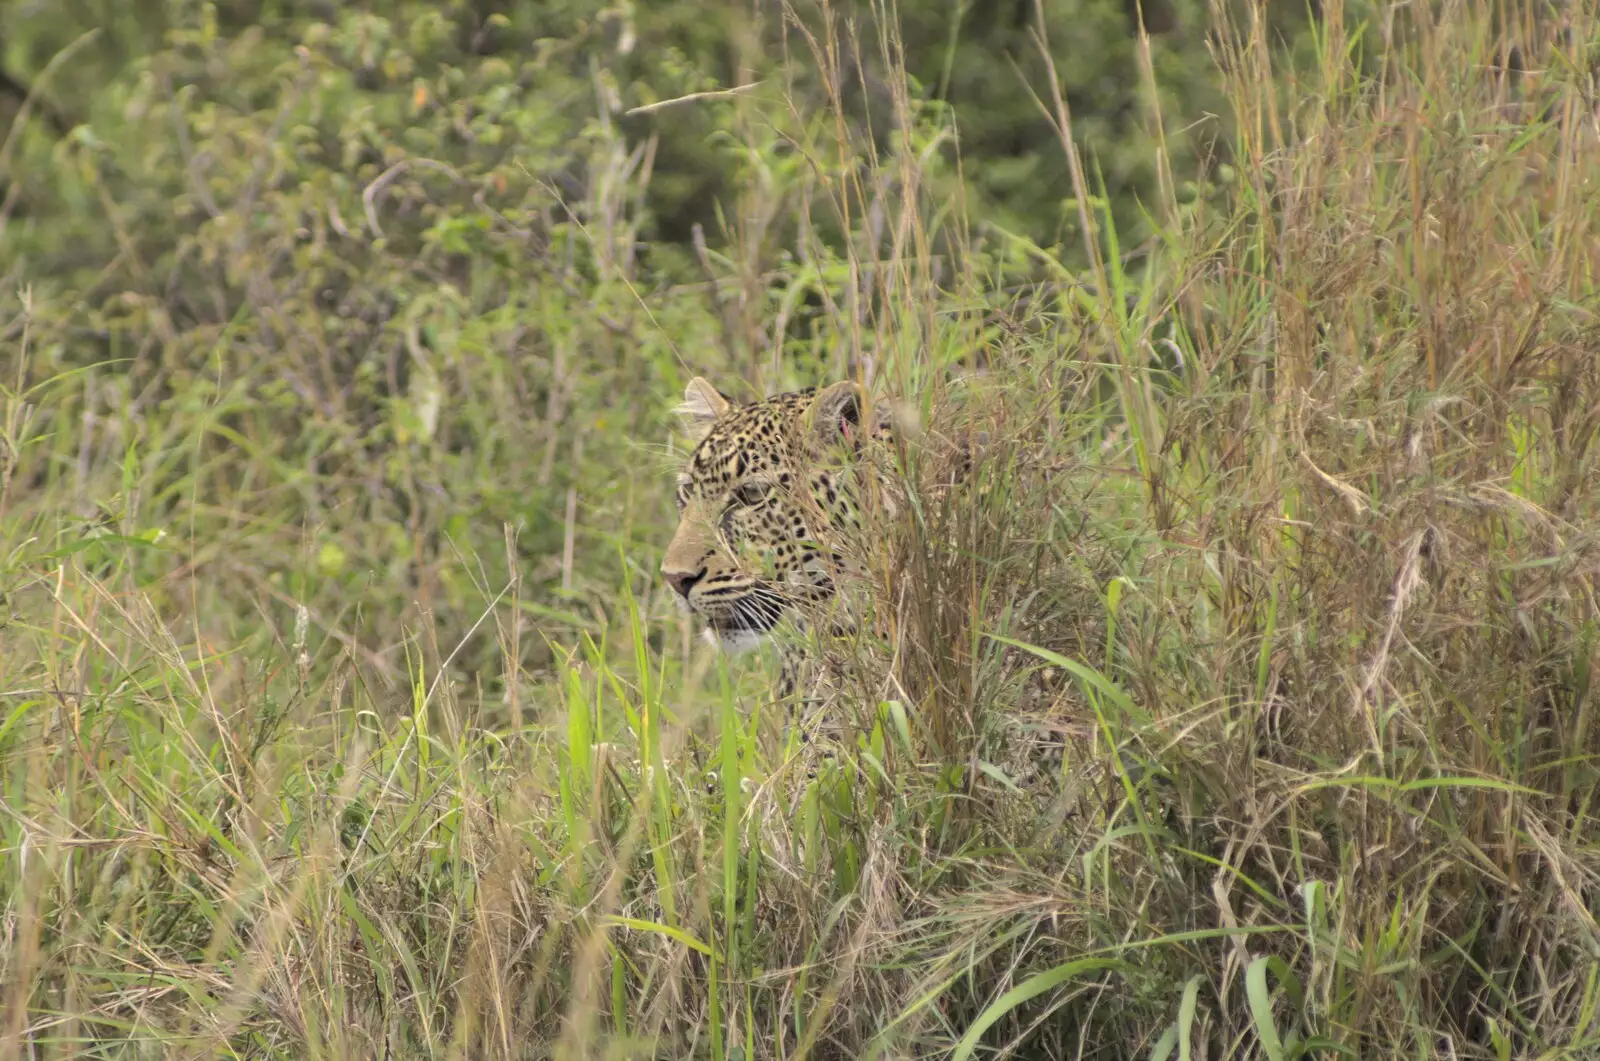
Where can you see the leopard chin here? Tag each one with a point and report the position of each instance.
(730, 633)
(734, 641)
(740, 633)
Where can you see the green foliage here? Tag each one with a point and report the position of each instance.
(341, 714)
(502, 92)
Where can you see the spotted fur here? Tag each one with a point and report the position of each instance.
(765, 501)
(770, 520)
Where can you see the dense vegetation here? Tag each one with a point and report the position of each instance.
(342, 713)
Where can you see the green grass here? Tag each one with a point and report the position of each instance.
(342, 713)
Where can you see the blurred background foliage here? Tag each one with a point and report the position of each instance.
(420, 74)
(431, 267)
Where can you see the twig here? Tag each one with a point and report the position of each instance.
(369, 198)
(21, 120)
(703, 253)
(191, 161)
(721, 93)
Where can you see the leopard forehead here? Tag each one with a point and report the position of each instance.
(748, 440)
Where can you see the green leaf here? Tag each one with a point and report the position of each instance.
(1260, 998)
(1030, 988)
(1186, 1008)
(666, 930)
(1087, 675)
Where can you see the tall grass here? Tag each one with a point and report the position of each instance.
(1224, 689)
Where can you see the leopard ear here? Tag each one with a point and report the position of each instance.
(702, 404)
(836, 414)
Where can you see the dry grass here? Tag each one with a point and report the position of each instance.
(1279, 530)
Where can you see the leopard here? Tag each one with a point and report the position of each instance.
(772, 515)
(769, 505)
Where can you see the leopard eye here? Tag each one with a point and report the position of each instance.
(752, 493)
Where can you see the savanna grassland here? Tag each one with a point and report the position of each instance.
(1228, 689)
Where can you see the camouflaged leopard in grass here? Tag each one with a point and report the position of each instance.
(771, 519)
(769, 505)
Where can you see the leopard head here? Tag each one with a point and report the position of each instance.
(759, 501)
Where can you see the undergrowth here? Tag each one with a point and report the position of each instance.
(1227, 685)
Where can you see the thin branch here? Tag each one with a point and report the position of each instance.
(721, 93)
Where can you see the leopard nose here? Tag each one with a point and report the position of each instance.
(684, 581)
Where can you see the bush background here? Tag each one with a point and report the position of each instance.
(340, 710)
(531, 293)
